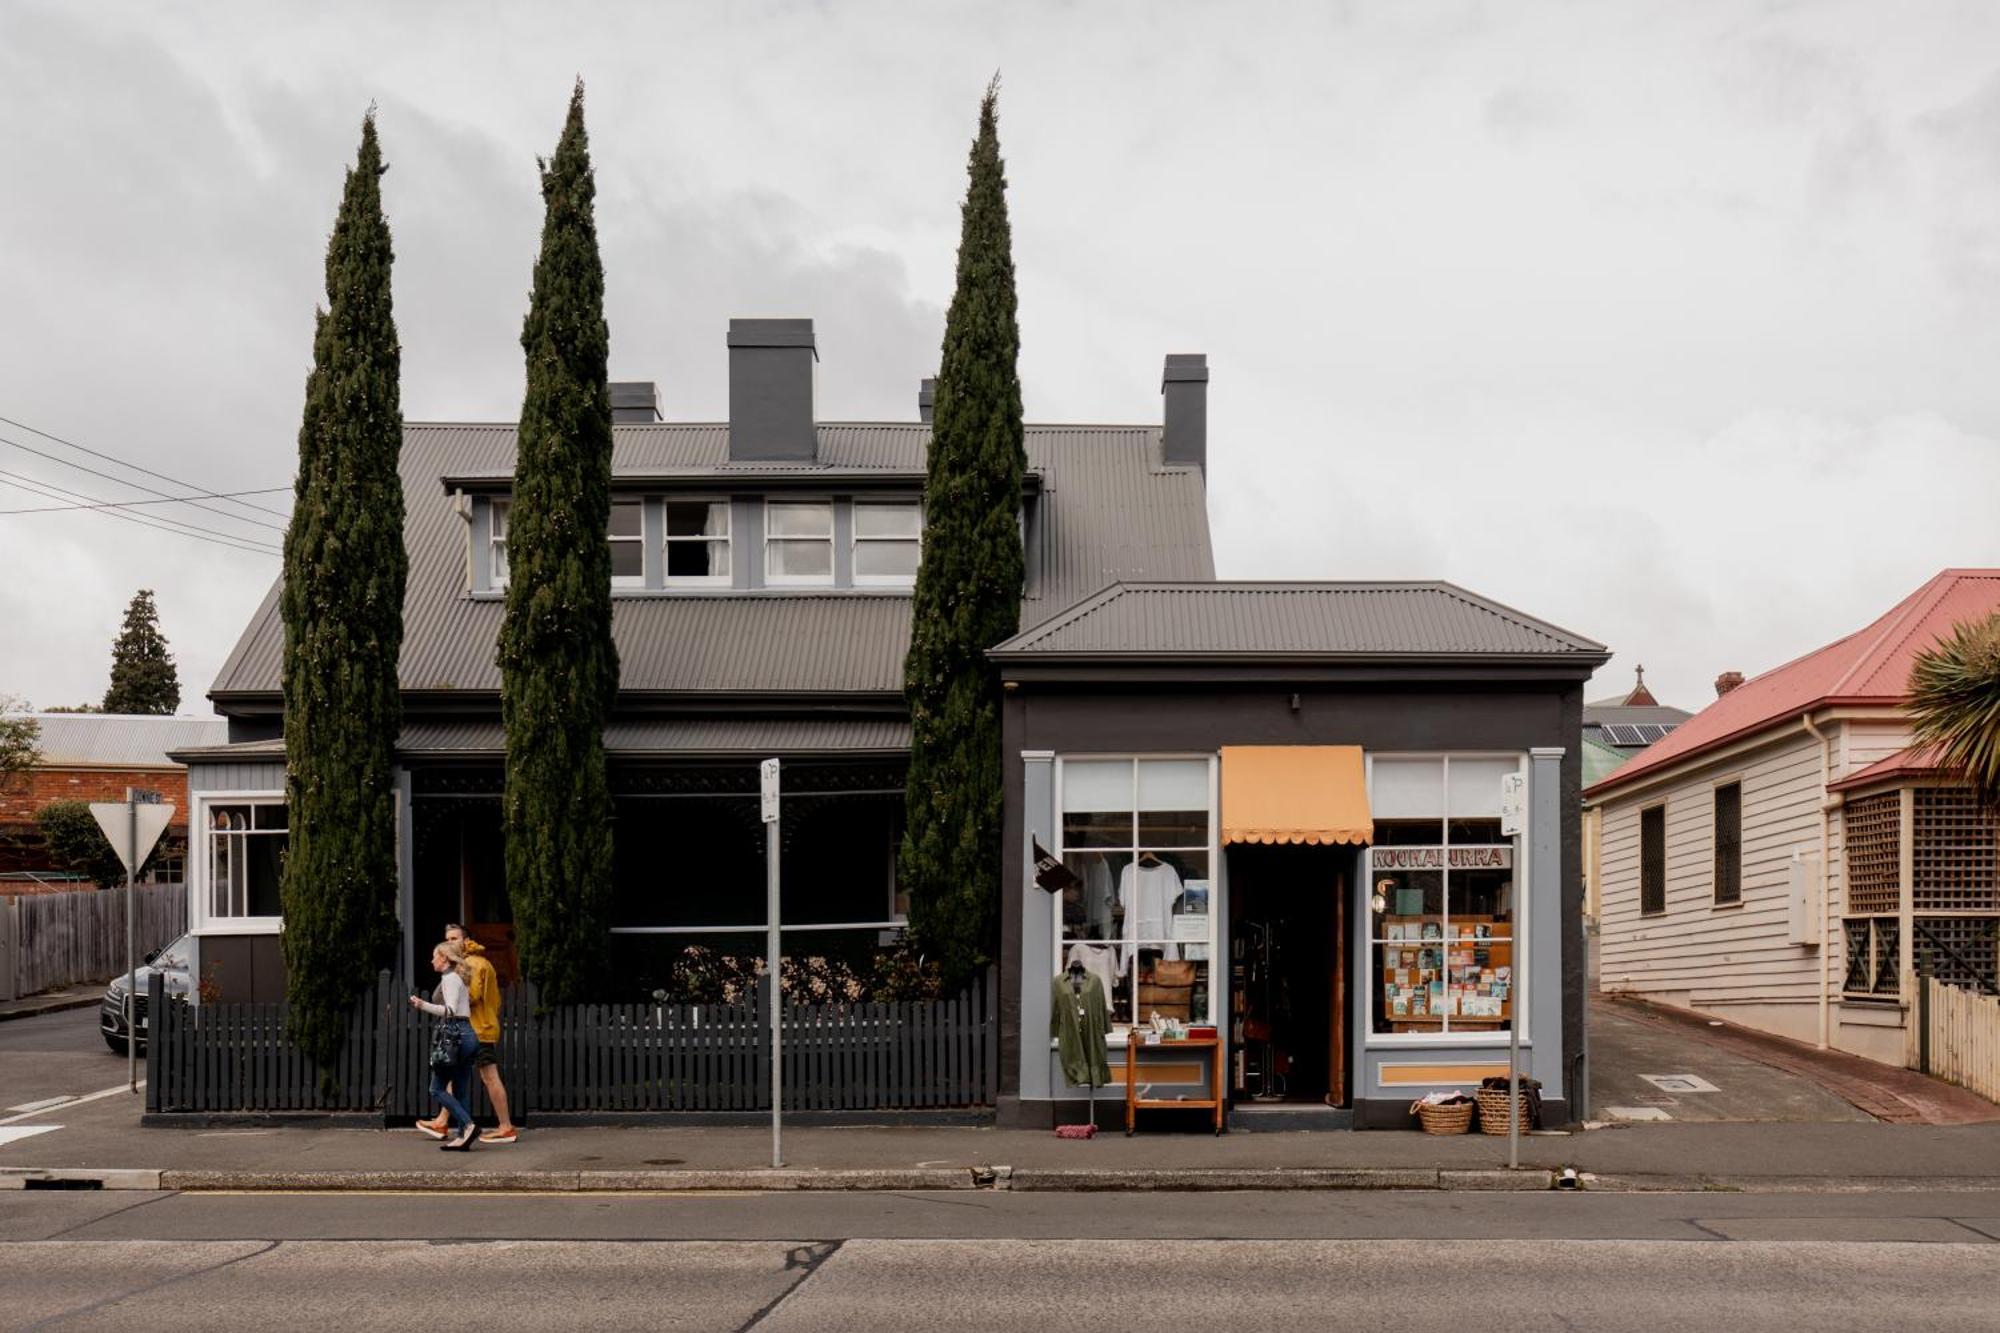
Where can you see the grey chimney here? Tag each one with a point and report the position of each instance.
(926, 399)
(634, 400)
(1184, 383)
(771, 390)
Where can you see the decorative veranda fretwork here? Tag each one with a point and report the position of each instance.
(1874, 945)
(1952, 853)
(1873, 827)
(1959, 951)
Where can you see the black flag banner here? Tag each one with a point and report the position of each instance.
(1050, 873)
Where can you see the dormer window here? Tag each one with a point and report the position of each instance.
(887, 539)
(696, 543)
(627, 535)
(798, 543)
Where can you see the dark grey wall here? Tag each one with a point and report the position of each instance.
(1136, 718)
(245, 969)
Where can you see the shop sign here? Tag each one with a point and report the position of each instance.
(1441, 858)
(1051, 875)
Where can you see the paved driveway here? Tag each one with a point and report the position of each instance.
(1627, 1044)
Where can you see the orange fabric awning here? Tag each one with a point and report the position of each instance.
(1313, 794)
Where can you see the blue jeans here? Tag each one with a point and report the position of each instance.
(458, 1075)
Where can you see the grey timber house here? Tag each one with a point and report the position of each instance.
(1230, 771)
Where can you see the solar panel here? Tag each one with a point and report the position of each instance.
(1653, 731)
(1623, 733)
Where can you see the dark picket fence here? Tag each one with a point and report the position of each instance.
(600, 1059)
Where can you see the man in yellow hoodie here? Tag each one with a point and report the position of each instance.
(484, 985)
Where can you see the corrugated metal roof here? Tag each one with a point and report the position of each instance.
(648, 736)
(1107, 510)
(1294, 619)
(121, 740)
(1870, 666)
(1660, 714)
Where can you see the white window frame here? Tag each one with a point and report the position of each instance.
(858, 540)
(498, 511)
(201, 920)
(772, 580)
(667, 541)
(1218, 967)
(1523, 979)
(637, 539)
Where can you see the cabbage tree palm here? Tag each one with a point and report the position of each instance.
(1955, 703)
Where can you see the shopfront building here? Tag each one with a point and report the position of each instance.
(1334, 822)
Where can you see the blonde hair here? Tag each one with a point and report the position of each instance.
(454, 953)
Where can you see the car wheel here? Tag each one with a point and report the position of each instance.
(115, 1043)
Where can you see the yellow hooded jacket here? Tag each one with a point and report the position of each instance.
(484, 984)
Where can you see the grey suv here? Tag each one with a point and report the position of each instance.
(172, 962)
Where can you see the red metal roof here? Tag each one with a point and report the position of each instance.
(1871, 666)
(1917, 760)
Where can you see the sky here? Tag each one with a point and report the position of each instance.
(1672, 323)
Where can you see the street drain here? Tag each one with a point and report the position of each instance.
(665, 1161)
(32, 1183)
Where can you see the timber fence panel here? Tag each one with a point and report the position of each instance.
(1965, 1038)
(64, 939)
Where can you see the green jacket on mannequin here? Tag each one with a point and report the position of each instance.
(1079, 1023)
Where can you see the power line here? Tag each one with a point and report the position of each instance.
(219, 513)
(134, 504)
(95, 453)
(52, 492)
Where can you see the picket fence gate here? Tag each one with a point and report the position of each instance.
(600, 1059)
(62, 939)
(1959, 1037)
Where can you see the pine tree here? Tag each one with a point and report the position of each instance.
(558, 666)
(342, 604)
(968, 593)
(143, 679)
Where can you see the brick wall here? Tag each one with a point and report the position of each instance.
(21, 799)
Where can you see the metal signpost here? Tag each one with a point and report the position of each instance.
(132, 826)
(767, 774)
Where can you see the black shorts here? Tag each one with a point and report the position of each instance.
(487, 1054)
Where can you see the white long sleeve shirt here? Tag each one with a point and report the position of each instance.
(456, 999)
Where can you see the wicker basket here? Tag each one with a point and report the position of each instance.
(1450, 1119)
(1493, 1111)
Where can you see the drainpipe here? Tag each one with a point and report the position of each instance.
(1826, 806)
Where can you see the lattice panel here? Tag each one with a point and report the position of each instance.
(1858, 939)
(1888, 955)
(1873, 845)
(1961, 950)
(1953, 863)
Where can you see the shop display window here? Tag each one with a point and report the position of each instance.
(1139, 836)
(1442, 875)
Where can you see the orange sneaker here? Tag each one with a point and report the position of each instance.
(507, 1135)
(430, 1129)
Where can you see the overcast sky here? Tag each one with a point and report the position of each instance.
(1675, 324)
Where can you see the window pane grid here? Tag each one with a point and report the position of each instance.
(696, 541)
(245, 858)
(1140, 917)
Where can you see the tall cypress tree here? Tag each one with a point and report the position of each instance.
(968, 593)
(558, 666)
(342, 605)
(143, 679)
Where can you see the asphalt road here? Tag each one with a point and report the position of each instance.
(55, 1055)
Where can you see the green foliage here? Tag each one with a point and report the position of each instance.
(1955, 703)
(342, 604)
(19, 736)
(558, 666)
(79, 847)
(968, 593)
(143, 679)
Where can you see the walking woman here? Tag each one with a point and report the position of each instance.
(453, 1009)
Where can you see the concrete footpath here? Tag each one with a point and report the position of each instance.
(104, 1146)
